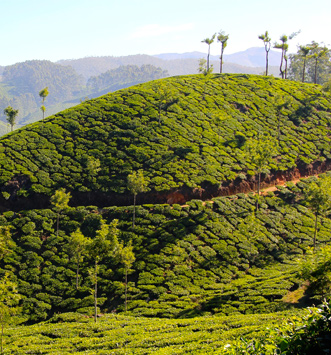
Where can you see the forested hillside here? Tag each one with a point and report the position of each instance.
(22, 82)
(122, 77)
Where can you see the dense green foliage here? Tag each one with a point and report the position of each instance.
(124, 76)
(311, 63)
(201, 258)
(306, 334)
(193, 137)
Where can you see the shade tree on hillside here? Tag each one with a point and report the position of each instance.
(318, 55)
(318, 198)
(78, 248)
(60, 201)
(127, 258)
(11, 115)
(303, 52)
(43, 94)
(223, 39)
(209, 41)
(103, 245)
(267, 45)
(311, 63)
(261, 151)
(136, 184)
(283, 45)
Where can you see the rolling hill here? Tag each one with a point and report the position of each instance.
(188, 134)
(197, 253)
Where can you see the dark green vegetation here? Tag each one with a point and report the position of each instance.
(196, 260)
(188, 134)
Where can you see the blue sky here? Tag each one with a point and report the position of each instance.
(68, 29)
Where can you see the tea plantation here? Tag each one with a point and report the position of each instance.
(205, 271)
(188, 134)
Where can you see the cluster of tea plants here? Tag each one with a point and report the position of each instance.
(119, 334)
(202, 258)
(184, 132)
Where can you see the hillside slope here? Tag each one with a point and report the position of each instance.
(187, 133)
(199, 259)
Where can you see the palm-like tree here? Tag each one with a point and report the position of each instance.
(209, 41)
(303, 52)
(43, 94)
(283, 45)
(267, 44)
(223, 39)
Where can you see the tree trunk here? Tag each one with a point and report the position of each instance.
(134, 209)
(221, 63)
(267, 62)
(281, 65)
(315, 79)
(315, 232)
(96, 292)
(208, 58)
(303, 71)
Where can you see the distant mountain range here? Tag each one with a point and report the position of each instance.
(251, 57)
(251, 61)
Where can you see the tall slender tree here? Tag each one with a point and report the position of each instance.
(104, 244)
(43, 94)
(318, 55)
(283, 45)
(267, 45)
(136, 185)
(303, 52)
(260, 152)
(60, 201)
(318, 198)
(11, 116)
(209, 41)
(78, 249)
(127, 258)
(223, 39)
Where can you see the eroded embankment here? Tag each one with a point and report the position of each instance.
(180, 196)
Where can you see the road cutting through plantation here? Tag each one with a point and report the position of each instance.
(264, 191)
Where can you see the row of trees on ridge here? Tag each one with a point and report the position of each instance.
(312, 59)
